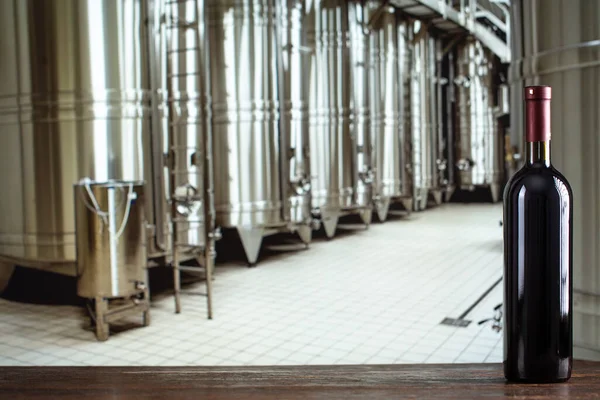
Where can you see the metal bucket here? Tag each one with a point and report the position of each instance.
(110, 238)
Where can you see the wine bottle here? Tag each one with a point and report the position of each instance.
(538, 286)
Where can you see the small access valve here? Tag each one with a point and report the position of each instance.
(465, 164)
(367, 176)
(301, 185)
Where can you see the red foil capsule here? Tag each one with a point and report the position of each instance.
(537, 113)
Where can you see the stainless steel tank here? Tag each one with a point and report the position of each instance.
(405, 78)
(360, 108)
(479, 158)
(447, 167)
(332, 26)
(252, 194)
(389, 86)
(439, 160)
(156, 143)
(111, 250)
(425, 116)
(559, 45)
(188, 119)
(293, 58)
(75, 101)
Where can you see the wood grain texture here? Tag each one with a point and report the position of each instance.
(451, 381)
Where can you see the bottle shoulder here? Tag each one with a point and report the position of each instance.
(560, 177)
(538, 180)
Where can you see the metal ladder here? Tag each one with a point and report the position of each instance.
(201, 158)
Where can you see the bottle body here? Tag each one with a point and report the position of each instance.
(538, 258)
(538, 319)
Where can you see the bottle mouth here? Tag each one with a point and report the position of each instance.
(538, 92)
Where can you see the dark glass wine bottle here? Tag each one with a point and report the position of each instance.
(538, 215)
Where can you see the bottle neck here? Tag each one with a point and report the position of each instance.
(537, 125)
(538, 153)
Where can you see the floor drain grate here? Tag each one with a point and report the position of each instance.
(458, 322)
(461, 322)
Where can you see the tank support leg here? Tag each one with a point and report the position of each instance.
(146, 318)
(329, 222)
(437, 196)
(448, 193)
(102, 328)
(305, 233)
(382, 207)
(6, 271)
(251, 240)
(366, 216)
(209, 266)
(495, 191)
(407, 203)
(420, 201)
(176, 280)
(146, 313)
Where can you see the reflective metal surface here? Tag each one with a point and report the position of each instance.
(245, 113)
(74, 102)
(360, 110)
(329, 109)
(384, 99)
(293, 58)
(405, 55)
(436, 162)
(338, 110)
(189, 143)
(425, 116)
(479, 158)
(188, 103)
(246, 147)
(461, 16)
(448, 112)
(390, 63)
(156, 144)
(111, 251)
(560, 46)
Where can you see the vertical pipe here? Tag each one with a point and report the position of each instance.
(440, 82)
(210, 233)
(281, 13)
(155, 35)
(450, 102)
(113, 241)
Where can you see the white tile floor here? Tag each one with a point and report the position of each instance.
(372, 296)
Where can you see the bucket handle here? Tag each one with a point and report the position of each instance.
(131, 195)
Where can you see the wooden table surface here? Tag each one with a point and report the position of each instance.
(423, 381)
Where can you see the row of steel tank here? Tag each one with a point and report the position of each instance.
(262, 116)
(349, 115)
